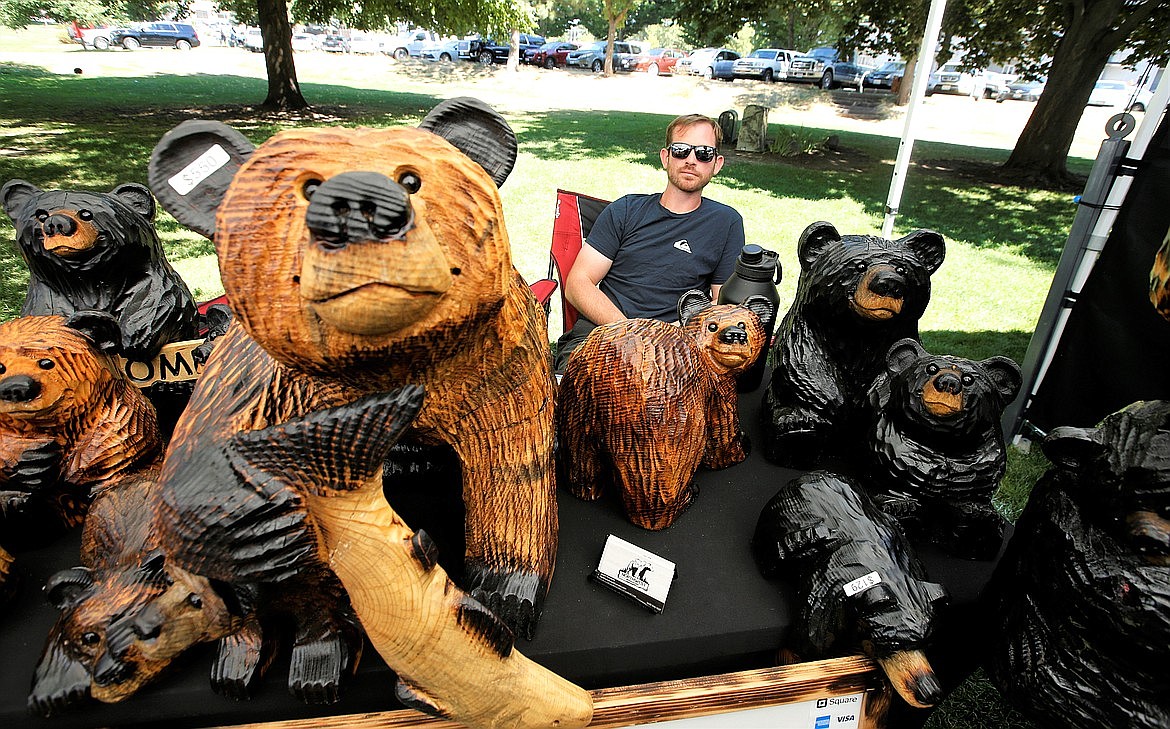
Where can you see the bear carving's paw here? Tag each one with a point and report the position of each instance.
(60, 682)
(317, 667)
(515, 597)
(795, 440)
(38, 467)
(240, 660)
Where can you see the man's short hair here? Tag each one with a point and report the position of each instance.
(686, 121)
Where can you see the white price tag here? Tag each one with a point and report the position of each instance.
(862, 583)
(199, 170)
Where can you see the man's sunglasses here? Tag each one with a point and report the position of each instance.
(682, 150)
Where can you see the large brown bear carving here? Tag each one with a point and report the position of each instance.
(384, 260)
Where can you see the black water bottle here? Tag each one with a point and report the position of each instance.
(757, 271)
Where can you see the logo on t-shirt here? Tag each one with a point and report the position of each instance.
(682, 245)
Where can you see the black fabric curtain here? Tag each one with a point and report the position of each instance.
(1116, 348)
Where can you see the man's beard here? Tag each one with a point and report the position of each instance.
(687, 184)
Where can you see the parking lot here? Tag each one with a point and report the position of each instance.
(942, 118)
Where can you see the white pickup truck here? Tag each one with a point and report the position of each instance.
(766, 64)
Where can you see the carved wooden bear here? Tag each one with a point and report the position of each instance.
(936, 440)
(856, 296)
(1081, 597)
(92, 250)
(70, 426)
(126, 613)
(358, 260)
(860, 585)
(643, 403)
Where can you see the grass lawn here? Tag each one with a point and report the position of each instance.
(94, 131)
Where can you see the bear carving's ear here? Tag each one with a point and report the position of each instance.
(191, 168)
(1072, 448)
(928, 245)
(935, 592)
(98, 327)
(902, 354)
(137, 197)
(15, 193)
(813, 242)
(478, 131)
(1006, 376)
(67, 587)
(761, 307)
(691, 303)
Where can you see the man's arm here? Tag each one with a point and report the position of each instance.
(715, 291)
(581, 287)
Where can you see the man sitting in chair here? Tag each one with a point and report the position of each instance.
(645, 251)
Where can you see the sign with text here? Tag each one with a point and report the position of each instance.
(832, 712)
(175, 363)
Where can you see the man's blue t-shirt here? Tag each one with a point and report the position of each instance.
(659, 255)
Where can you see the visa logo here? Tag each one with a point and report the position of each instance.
(847, 717)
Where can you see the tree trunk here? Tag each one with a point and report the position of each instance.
(906, 85)
(514, 52)
(1093, 33)
(284, 92)
(609, 39)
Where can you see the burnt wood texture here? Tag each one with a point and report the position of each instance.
(860, 584)
(1083, 590)
(644, 403)
(936, 446)
(856, 296)
(361, 262)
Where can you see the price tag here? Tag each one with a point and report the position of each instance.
(203, 167)
(863, 583)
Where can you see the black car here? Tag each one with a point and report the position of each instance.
(159, 35)
(887, 76)
(488, 51)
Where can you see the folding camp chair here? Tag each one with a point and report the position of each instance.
(572, 221)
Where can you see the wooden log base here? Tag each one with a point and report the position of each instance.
(670, 700)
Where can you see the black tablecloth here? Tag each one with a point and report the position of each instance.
(721, 615)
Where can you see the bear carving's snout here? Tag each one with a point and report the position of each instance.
(949, 383)
(58, 224)
(19, 388)
(358, 206)
(734, 335)
(888, 282)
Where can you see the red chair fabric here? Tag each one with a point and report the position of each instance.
(572, 220)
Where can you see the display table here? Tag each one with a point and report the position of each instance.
(721, 615)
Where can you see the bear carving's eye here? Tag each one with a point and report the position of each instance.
(46, 364)
(900, 270)
(712, 327)
(90, 638)
(195, 601)
(410, 181)
(42, 215)
(968, 379)
(84, 214)
(932, 369)
(860, 265)
(3, 369)
(310, 187)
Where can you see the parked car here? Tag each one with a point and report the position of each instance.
(487, 51)
(887, 76)
(334, 42)
(950, 79)
(765, 64)
(98, 38)
(592, 56)
(659, 60)
(1142, 100)
(158, 35)
(367, 43)
(702, 61)
(1022, 91)
(254, 40)
(1110, 93)
(411, 44)
(305, 42)
(552, 54)
(824, 67)
(447, 50)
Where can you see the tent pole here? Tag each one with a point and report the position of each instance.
(917, 92)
